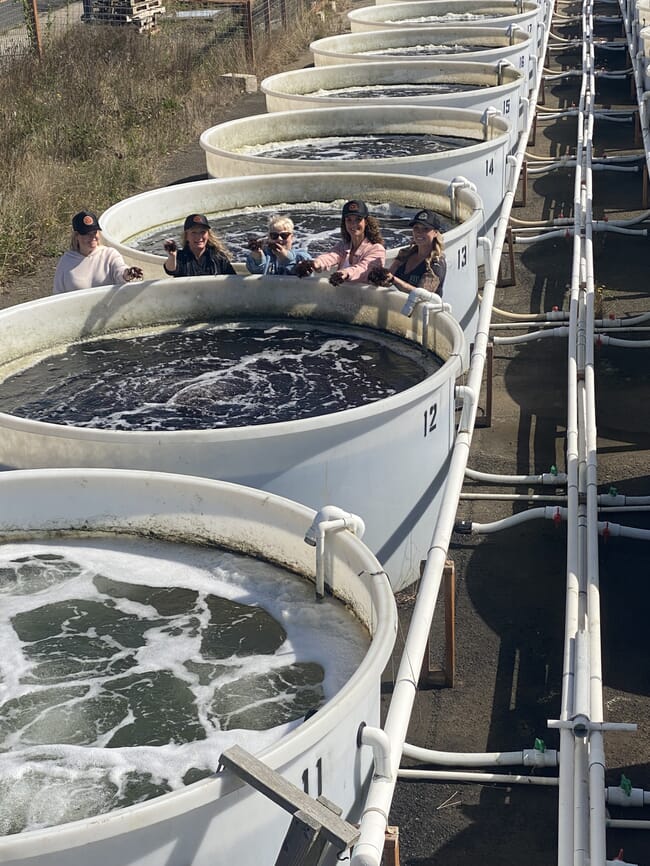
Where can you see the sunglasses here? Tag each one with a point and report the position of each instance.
(275, 235)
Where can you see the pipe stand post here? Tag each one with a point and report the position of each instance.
(434, 675)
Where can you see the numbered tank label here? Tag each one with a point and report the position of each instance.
(462, 257)
(506, 106)
(430, 419)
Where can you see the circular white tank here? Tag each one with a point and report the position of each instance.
(472, 44)
(496, 84)
(165, 207)
(482, 163)
(429, 13)
(212, 820)
(339, 458)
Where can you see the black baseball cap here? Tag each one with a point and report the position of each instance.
(85, 222)
(196, 220)
(426, 218)
(355, 208)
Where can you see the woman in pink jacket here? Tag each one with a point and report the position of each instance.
(361, 248)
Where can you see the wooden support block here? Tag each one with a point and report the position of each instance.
(434, 675)
(391, 847)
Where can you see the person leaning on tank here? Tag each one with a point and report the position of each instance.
(422, 263)
(360, 250)
(274, 254)
(201, 254)
(88, 263)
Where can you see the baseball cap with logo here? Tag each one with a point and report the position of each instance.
(196, 220)
(355, 208)
(85, 222)
(426, 218)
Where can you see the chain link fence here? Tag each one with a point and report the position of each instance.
(31, 26)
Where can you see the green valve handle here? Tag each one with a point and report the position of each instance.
(540, 745)
(553, 469)
(626, 784)
(613, 491)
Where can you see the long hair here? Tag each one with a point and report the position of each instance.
(74, 240)
(372, 231)
(437, 252)
(214, 242)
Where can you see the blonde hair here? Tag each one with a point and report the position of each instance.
(280, 223)
(74, 240)
(214, 242)
(437, 253)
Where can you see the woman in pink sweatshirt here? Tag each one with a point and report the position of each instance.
(361, 248)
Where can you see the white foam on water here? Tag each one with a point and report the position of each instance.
(46, 783)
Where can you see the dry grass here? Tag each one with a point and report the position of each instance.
(88, 124)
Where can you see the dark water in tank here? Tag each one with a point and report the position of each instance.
(128, 665)
(317, 226)
(395, 91)
(381, 146)
(214, 376)
(428, 49)
(456, 17)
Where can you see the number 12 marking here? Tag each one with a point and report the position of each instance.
(430, 419)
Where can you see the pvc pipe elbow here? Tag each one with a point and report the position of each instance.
(379, 741)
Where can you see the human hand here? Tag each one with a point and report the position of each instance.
(380, 277)
(304, 268)
(170, 245)
(337, 278)
(133, 274)
(255, 244)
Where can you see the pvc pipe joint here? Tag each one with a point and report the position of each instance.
(380, 744)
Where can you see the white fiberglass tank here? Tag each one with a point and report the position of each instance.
(240, 207)
(139, 533)
(429, 13)
(420, 140)
(442, 44)
(454, 84)
(329, 456)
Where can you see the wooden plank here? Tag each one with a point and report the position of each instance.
(304, 843)
(287, 795)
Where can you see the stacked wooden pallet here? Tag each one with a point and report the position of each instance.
(141, 14)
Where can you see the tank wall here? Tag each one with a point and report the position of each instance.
(483, 164)
(215, 814)
(332, 459)
(498, 85)
(168, 206)
(391, 14)
(350, 47)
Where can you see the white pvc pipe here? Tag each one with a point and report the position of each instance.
(481, 778)
(369, 849)
(520, 758)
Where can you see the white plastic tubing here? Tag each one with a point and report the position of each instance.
(369, 848)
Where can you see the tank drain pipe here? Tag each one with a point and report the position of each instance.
(560, 331)
(380, 744)
(420, 296)
(555, 479)
(606, 340)
(374, 818)
(481, 778)
(521, 758)
(550, 512)
(330, 518)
